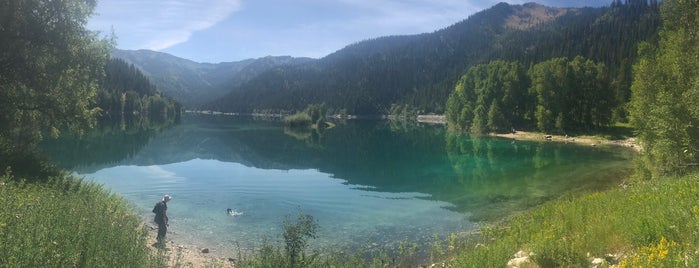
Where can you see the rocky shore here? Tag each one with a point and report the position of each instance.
(184, 255)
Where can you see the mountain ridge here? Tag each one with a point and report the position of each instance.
(418, 72)
(195, 83)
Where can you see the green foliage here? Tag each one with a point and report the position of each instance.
(497, 90)
(313, 116)
(649, 224)
(666, 94)
(571, 95)
(561, 94)
(296, 235)
(125, 91)
(50, 65)
(496, 120)
(66, 222)
(317, 112)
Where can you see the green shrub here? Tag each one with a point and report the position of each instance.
(298, 120)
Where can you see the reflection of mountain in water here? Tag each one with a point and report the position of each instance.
(485, 176)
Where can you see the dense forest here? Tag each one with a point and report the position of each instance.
(556, 96)
(125, 91)
(418, 73)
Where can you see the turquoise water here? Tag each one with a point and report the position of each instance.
(368, 183)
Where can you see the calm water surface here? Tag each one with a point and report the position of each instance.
(368, 183)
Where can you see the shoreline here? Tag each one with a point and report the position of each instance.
(187, 255)
(630, 143)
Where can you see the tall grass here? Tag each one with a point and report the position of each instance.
(649, 224)
(66, 222)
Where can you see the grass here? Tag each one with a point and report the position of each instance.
(66, 222)
(648, 223)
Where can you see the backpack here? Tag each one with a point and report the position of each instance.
(158, 208)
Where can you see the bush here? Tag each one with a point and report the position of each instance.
(298, 120)
(296, 234)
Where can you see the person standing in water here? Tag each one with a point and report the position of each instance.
(161, 218)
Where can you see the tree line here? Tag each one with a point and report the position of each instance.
(556, 95)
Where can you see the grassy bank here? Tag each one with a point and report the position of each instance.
(65, 222)
(644, 224)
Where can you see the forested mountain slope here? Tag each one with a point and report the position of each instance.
(418, 72)
(126, 91)
(194, 83)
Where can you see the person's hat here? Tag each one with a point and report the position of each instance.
(167, 197)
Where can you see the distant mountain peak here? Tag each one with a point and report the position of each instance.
(532, 14)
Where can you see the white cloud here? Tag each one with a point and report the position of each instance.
(159, 24)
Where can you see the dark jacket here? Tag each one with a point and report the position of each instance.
(160, 211)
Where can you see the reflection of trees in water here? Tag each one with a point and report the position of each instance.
(111, 141)
(313, 137)
(486, 176)
(496, 176)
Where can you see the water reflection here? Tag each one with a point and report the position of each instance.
(487, 177)
(498, 176)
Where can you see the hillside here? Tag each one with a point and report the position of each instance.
(415, 72)
(419, 71)
(194, 83)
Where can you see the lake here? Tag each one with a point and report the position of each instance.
(368, 183)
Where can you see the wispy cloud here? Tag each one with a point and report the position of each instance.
(311, 28)
(159, 24)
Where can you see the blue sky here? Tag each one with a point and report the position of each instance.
(232, 30)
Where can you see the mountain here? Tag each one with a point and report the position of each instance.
(420, 71)
(194, 83)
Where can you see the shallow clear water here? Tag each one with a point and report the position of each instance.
(366, 182)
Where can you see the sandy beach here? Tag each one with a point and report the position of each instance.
(582, 140)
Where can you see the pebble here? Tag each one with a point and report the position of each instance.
(204, 250)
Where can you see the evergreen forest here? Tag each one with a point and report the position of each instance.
(417, 73)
